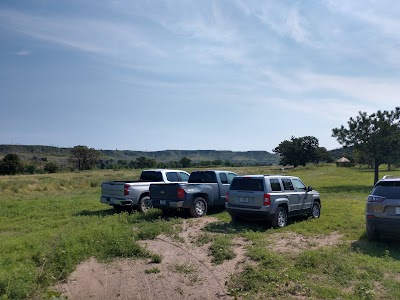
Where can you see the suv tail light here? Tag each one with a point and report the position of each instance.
(126, 189)
(373, 198)
(227, 197)
(180, 193)
(267, 199)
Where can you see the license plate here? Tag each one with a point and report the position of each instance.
(397, 210)
(162, 202)
(244, 199)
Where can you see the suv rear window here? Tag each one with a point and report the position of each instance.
(203, 177)
(247, 184)
(153, 176)
(387, 189)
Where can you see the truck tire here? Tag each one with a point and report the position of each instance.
(280, 218)
(315, 210)
(144, 204)
(198, 208)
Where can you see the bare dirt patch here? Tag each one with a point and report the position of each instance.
(290, 242)
(185, 272)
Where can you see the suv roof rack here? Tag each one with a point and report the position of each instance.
(391, 177)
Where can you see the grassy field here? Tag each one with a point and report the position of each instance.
(50, 223)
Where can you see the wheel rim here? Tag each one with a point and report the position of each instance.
(315, 211)
(145, 204)
(200, 208)
(281, 219)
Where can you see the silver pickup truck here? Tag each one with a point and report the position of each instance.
(125, 194)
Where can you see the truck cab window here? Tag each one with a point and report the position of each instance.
(172, 176)
(184, 176)
(224, 178)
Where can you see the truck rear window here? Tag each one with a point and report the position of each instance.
(247, 184)
(153, 176)
(202, 177)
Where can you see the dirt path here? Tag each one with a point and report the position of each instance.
(185, 272)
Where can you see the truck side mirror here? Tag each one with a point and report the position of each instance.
(309, 189)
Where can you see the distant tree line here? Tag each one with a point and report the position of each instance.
(374, 140)
(12, 164)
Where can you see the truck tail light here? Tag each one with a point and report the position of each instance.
(126, 189)
(227, 197)
(267, 199)
(180, 193)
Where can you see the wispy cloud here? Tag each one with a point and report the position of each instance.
(88, 35)
(373, 92)
(23, 53)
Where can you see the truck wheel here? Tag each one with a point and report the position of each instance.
(198, 208)
(144, 204)
(280, 218)
(315, 210)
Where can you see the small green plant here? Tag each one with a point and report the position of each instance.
(152, 271)
(221, 249)
(155, 258)
(185, 268)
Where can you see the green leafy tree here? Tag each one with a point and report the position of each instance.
(143, 162)
(298, 151)
(83, 158)
(185, 162)
(51, 167)
(11, 165)
(376, 137)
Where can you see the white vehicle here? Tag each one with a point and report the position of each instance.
(125, 194)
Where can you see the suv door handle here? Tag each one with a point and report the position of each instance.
(288, 196)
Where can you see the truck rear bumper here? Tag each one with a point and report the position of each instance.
(118, 201)
(167, 204)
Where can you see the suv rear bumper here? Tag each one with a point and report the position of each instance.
(383, 226)
(250, 214)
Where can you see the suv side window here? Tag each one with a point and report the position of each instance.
(172, 176)
(275, 185)
(224, 178)
(184, 176)
(287, 184)
(230, 177)
(299, 185)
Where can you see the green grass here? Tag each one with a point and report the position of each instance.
(51, 223)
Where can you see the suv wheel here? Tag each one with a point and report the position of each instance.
(280, 218)
(315, 210)
(198, 208)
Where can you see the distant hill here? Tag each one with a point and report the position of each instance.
(35, 152)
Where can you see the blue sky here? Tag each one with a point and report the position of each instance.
(222, 75)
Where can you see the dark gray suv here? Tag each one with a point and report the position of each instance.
(382, 210)
(271, 197)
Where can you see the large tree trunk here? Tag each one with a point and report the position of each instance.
(376, 172)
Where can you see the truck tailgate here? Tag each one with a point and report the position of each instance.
(113, 189)
(164, 191)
